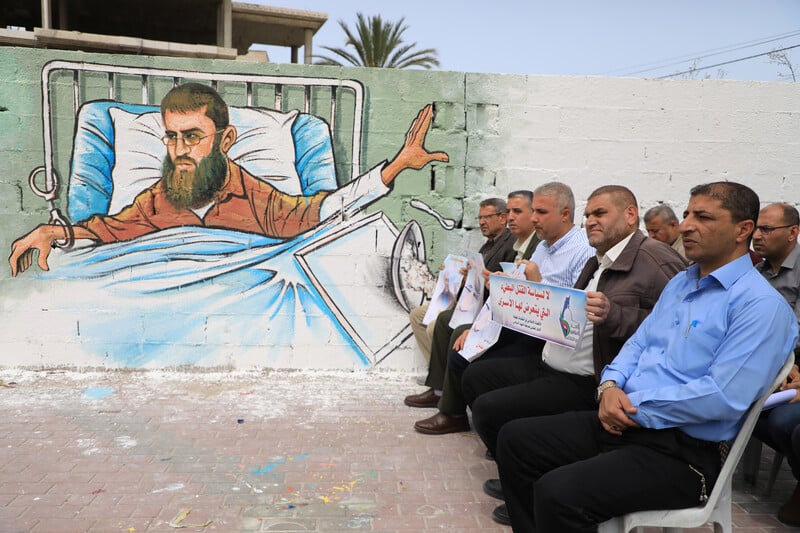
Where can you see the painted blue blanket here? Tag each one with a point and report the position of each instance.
(186, 295)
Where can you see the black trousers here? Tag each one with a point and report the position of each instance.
(502, 390)
(511, 344)
(564, 473)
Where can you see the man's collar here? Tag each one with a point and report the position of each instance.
(552, 248)
(499, 234)
(792, 258)
(233, 185)
(727, 274)
(611, 256)
(788, 263)
(524, 244)
(503, 235)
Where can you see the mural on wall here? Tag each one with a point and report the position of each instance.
(215, 226)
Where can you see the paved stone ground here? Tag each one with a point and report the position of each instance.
(124, 451)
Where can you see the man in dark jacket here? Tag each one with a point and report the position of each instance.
(622, 282)
(498, 248)
(520, 224)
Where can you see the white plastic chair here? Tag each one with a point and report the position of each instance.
(718, 507)
(751, 463)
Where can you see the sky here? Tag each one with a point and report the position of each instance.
(581, 37)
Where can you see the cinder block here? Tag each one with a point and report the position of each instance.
(483, 119)
(10, 198)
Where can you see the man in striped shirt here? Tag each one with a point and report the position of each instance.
(557, 260)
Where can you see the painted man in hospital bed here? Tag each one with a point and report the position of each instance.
(213, 221)
(200, 186)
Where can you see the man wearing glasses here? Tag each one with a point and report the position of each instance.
(498, 248)
(519, 213)
(775, 240)
(200, 186)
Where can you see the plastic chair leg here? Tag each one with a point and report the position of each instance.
(751, 461)
(773, 473)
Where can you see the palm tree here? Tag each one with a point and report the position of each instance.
(379, 44)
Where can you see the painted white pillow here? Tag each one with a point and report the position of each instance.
(264, 147)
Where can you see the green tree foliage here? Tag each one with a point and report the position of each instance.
(376, 43)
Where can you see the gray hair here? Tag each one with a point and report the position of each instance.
(664, 212)
(498, 204)
(562, 193)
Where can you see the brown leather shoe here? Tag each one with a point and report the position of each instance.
(424, 399)
(440, 424)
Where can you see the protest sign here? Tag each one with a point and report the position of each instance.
(555, 314)
(484, 331)
(447, 285)
(471, 298)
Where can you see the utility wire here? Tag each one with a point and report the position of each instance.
(677, 60)
(721, 51)
(698, 69)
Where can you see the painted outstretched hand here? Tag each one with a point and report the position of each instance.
(413, 154)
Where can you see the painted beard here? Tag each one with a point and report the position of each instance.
(191, 189)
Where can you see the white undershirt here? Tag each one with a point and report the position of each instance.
(580, 361)
(201, 211)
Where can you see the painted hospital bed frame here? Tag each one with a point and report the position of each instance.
(66, 86)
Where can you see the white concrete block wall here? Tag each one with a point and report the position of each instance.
(502, 132)
(659, 138)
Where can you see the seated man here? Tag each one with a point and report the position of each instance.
(673, 396)
(201, 186)
(557, 260)
(498, 248)
(520, 224)
(662, 225)
(623, 282)
(775, 240)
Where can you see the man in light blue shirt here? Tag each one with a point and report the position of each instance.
(678, 388)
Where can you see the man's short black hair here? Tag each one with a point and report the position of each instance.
(522, 193)
(621, 196)
(739, 200)
(790, 214)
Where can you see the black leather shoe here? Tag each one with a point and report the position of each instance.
(500, 515)
(424, 399)
(441, 424)
(493, 488)
(789, 512)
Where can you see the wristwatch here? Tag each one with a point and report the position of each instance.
(607, 384)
